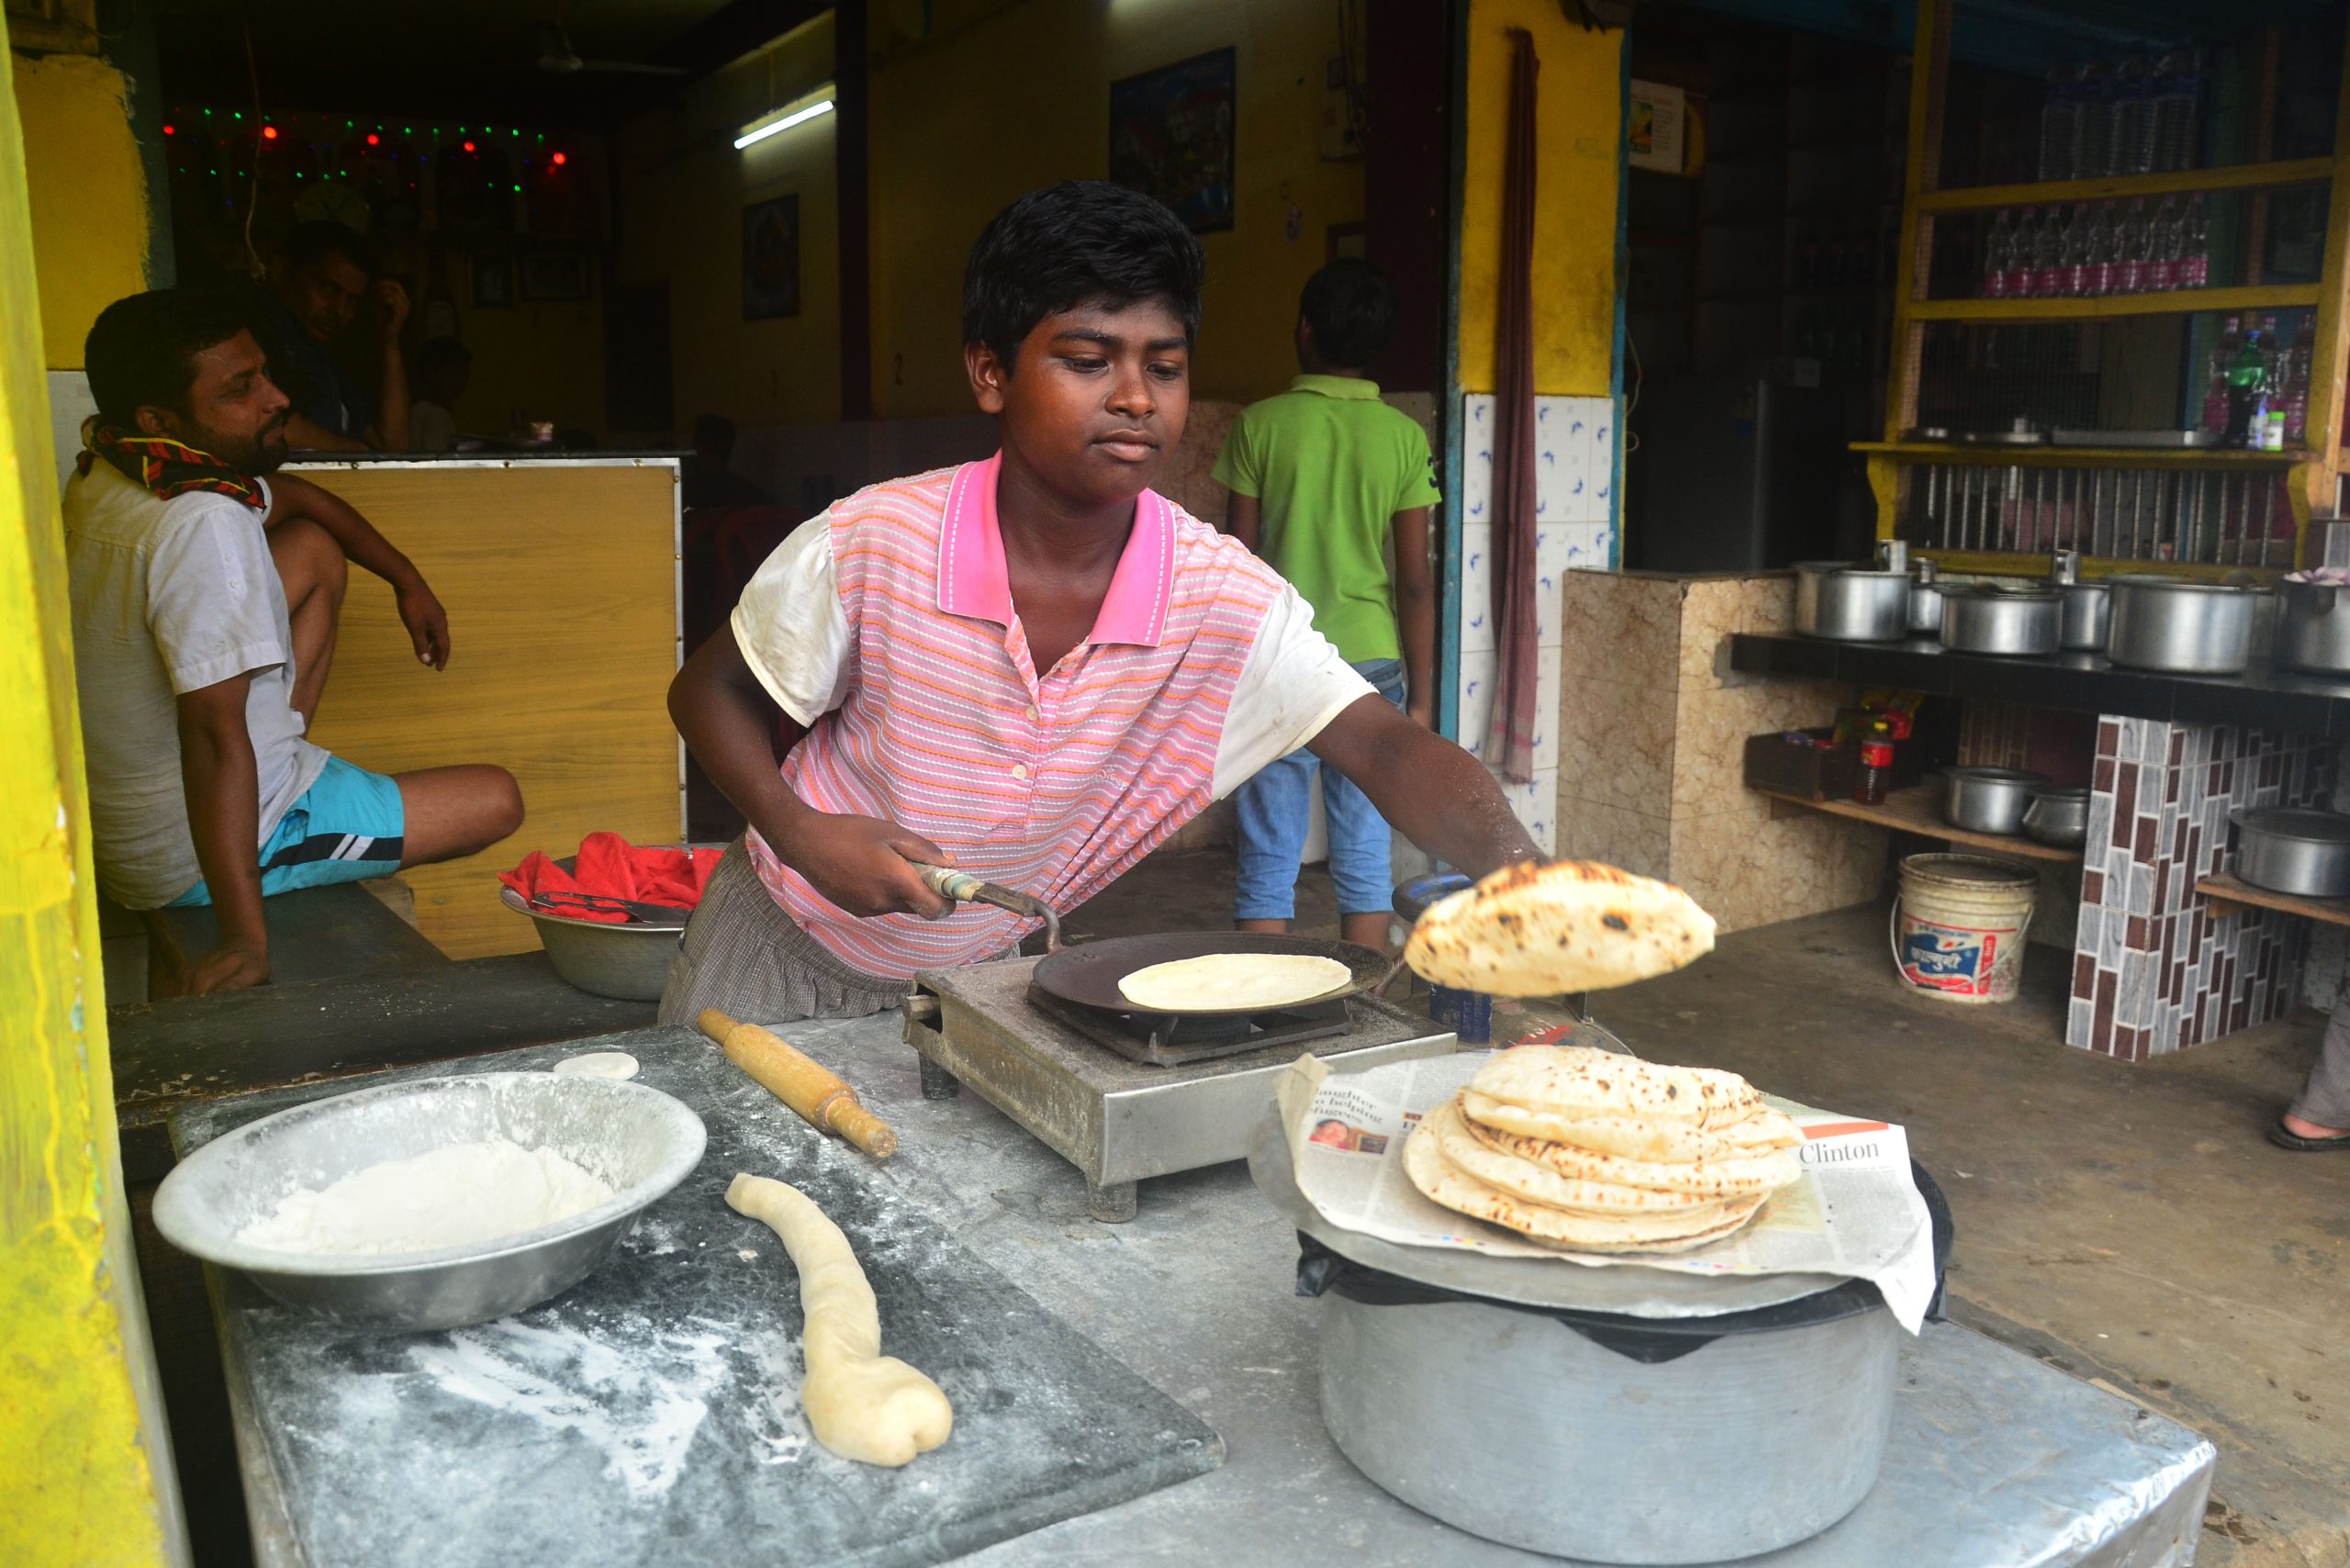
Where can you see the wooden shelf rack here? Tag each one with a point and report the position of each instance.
(1918, 809)
(2229, 894)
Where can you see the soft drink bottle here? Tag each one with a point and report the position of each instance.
(2076, 251)
(2215, 382)
(2048, 256)
(1998, 251)
(2021, 249)
(2105, 251)
(2247, 395)
(2274, 358)
(2060, 123)
(2169, 238)
(2195, 246)
(2137, 249)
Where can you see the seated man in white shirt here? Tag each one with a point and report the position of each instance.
(205, 600)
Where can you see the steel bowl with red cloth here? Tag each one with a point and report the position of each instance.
(609, 916)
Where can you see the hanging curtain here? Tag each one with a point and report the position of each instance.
(1510, 745)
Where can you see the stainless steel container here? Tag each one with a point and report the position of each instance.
(2085, 624)
(1989, 799)
(2057, 813)
(2313, 627)
(2181, 627)
(1851, 604)
(2009, 620)
(640, 1140)
(2292, 849)
(1925, 600)
(1625, 1441)
(629, 962)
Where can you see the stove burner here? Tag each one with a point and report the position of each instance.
(1172, 1040)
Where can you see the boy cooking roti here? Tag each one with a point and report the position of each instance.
(1033, 668)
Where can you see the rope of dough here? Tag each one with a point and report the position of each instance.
(863, 1404)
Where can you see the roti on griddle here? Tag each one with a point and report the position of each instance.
(1443, 1182)
(1578, 1081)
(1572, 926)
(1540, 1184)
(1217, 982)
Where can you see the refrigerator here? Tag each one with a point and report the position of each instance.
(1736, 472)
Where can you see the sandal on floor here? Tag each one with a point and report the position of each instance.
(2285, 1137)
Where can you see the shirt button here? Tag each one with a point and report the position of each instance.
(1020, 771)
(1035, 714)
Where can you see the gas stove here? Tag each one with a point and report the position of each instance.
(1123, 1097)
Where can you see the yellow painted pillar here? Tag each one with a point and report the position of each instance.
(82, 1436)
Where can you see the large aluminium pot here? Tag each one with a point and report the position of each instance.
(1989, 799)
(2016, 622)
(1851, 604)
(1607, 1437)
(2294, 849)
(2313, 628)
(2181, 627)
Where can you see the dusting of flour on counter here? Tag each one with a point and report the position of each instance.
(450, 1197)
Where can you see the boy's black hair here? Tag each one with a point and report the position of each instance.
(141, 349)
(1351, 308)
(435, 353)
(1072, 244)
(309, 244)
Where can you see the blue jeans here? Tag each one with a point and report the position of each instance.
(1274, 808)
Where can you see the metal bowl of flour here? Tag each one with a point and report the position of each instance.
(636, 1138)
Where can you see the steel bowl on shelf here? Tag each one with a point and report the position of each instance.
(2017, 622)
(640, 1140)
(2179, 627)
(2058, 814)
(2294, 849)
(1989, 799)
(628, 961)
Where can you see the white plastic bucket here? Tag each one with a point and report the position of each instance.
(1958, 926)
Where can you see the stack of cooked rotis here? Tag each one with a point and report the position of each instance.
(1589, 1151)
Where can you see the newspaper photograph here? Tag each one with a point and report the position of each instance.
(1856, 1211)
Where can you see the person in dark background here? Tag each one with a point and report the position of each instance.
(709, 482)
(443, 366)
(322, 283)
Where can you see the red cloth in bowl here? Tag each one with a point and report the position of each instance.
(611, 866)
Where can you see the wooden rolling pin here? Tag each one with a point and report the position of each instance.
(809, 1088)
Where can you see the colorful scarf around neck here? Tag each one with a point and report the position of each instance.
(166, 467)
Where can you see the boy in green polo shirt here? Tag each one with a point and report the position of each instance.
(1327, 484)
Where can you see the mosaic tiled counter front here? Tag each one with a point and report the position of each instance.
(2153, 969)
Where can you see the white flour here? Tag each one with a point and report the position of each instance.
(466, 1192)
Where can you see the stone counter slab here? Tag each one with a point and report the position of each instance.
(651, 1414)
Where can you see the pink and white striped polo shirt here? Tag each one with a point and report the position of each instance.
(887, 628)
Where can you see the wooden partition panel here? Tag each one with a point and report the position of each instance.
(561, 583)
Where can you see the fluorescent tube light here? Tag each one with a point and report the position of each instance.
(785, 119)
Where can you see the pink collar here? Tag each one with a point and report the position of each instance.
(972, 580)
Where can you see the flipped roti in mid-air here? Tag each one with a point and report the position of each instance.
(1219, 983)
(1570, 925)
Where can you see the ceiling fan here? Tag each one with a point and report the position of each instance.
(557, 58)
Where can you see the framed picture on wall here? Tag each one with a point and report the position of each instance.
(493, 282)
(1170, 137)
(554, 275)
(771, 259)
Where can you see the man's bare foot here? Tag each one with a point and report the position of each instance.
(2299, 1127)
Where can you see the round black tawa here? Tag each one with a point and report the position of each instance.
(1089, 974)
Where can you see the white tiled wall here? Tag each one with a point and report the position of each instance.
(1574, 511)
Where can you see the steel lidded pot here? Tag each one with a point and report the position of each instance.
(2087, 618)
(2312, 628)
(1990, 800)
(2182, 627)
(2057, 813)
(1852, 604)
(2016, 622)
(1925, 600)
(2294, 849)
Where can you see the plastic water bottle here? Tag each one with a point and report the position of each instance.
(2060, 123)
(2137, 249)
(2247, 392)
(2178, 89)
(2093, 148)
(2170, 232)
(2195, 246)
(1998, 254)
(2105, 251)
(2133, 118)
(2076, 279)
(2048, 256)
(2297, 384)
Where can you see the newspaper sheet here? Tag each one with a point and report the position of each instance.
(1855, 1212)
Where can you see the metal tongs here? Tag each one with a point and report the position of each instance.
(961, 886)
(555, 900)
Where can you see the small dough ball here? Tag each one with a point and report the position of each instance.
(598, 1064)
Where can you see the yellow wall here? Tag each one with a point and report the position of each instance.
(544, 356)
(1002, 99)
(87, 192)
(82, 1444)
(683, 188)
(1578, 115)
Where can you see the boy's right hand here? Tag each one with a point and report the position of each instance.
(864, 865)
(232, 966)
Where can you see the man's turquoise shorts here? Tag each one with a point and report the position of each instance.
(347, 826)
